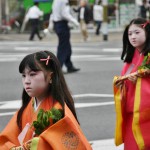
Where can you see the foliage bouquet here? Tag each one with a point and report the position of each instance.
(142, 71)
(43, 119)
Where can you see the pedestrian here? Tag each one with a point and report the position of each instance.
(143, 9)
(33, 16)
(84, 18)
(98, 16)
(61, 16)
(131, 92)
(47, 119)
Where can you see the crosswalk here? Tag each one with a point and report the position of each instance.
(15, 51)
(105, 144)
(15, 104)
(11, 57)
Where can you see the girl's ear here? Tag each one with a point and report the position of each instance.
(49, 76)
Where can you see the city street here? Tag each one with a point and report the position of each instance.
(91, 88)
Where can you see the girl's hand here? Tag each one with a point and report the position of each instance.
(119, 84)
(133, 79)
(27, 145)
(17, 148)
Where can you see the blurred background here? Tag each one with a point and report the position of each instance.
(117, 13)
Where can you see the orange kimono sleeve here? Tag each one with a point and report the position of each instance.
(119, 98)
(8, 137)
(65, 134)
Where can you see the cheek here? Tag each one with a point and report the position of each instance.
(130, 39)
(41, 85)
(141, 41)
(142, 37)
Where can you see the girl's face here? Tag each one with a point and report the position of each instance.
(35, 83)
(137, 36)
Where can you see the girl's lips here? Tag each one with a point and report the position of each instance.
(28, 88)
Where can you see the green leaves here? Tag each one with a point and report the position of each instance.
(56, 114)
(43, 119)
(146, 62)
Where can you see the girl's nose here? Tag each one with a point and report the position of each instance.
(133, 36)
(27, 80)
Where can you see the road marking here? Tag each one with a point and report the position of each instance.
(116, 50)
(88, 49)
(7, 57)
(15, 104)
(105, 144)
(11, 104)
(83, 105)
(33, 48)
(7, 114)
(92, 95)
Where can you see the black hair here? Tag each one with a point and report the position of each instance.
(99, 2)
(58, 88)
(36, 3)
(128, 49)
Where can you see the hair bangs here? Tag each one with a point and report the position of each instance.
(28, 62)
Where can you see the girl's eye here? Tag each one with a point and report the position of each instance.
(32, 73)
(137, 32)
(23, 76)
(130, 34)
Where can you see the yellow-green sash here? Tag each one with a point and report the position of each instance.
(119, 118)
(34, 144)
(136, 117)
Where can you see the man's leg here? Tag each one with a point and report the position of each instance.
(84, 29)
(32, 30)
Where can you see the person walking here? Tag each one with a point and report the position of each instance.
(131, 89)
(98, 16)
(84, 17)
(61, 16)
(47, 119)
(33, 16)
(143, 9)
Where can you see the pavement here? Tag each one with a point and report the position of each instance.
(76, 37)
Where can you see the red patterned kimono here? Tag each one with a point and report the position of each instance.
(63, 135)
(132, 104)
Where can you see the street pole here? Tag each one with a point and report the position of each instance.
(0, 12)
(105, 20)
(117, 13)
(7, 10)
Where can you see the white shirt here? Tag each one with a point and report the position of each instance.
(98, 13)
(34, 13)
(82, 12)
(61, 11)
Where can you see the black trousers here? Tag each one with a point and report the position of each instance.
(34, 28)
(64, 50)
(98, 24)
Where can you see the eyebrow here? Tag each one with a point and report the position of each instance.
(133, 30)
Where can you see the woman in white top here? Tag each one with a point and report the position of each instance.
(98, 16)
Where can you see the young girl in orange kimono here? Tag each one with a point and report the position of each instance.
(132, 96)
(35, 126)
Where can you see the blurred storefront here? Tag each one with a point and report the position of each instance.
(11, 14)
(119, 12)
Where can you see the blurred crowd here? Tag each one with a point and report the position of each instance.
(89, 16)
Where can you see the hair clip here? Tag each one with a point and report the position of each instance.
(144, 24)
(46, 59)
